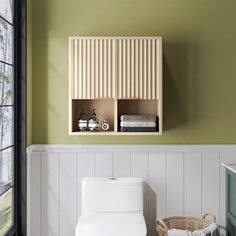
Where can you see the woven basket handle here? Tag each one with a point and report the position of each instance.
(205, 216)
(162, 225)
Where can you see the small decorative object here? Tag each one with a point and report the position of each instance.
(93, 123)
(82, 122)
(105, 125)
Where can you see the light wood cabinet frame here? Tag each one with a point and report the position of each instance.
(126, 71)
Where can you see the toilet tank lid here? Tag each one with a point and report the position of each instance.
(112, 180)
(100, 194)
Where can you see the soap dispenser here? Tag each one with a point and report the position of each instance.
(93, 123)
(82, 122)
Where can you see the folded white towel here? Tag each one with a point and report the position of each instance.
(138, 118)
(178, 232)
(137, 124)
(201, 232)
(211, 230)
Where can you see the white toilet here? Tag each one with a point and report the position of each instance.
(112, 207)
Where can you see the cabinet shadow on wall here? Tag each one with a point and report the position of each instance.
(175, 84)
(152, 208)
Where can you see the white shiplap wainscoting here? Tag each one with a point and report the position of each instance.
(179, 180)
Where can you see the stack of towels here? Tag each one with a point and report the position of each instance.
(211, 230)
(138, 123)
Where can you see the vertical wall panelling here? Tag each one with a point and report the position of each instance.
(139, 168)
(103, 164)
(192, 183)
(67, 202)
(84, 168)
(29, 202)
(139, 165)
(50, 194)
(157, 188)
(179, 180)
(34, 182)
(210, 185)
(121, 164)
(175, 184)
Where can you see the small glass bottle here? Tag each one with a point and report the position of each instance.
(82, 122)
(93, 123)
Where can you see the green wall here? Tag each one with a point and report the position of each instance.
(29, 72)
(199, 64)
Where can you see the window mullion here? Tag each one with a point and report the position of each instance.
(3, 149)
(6, 105)
(6, 63)
(6, 20)
(6, 189)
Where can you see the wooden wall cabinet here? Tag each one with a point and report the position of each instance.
(115, 75)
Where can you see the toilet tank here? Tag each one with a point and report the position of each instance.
(123, 194)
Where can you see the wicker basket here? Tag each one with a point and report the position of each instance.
(183, 223)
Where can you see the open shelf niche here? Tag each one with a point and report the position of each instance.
(116, 76)
(104, 110)
(138, 107)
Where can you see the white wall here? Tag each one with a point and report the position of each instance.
(181, 180)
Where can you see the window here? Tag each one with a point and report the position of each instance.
(12, 117)
(6, 115)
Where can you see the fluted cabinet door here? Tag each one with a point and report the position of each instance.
(92, 67)
(139, 67)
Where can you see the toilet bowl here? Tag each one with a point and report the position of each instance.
(111, 207)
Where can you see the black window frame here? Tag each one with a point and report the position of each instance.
(19, 227)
